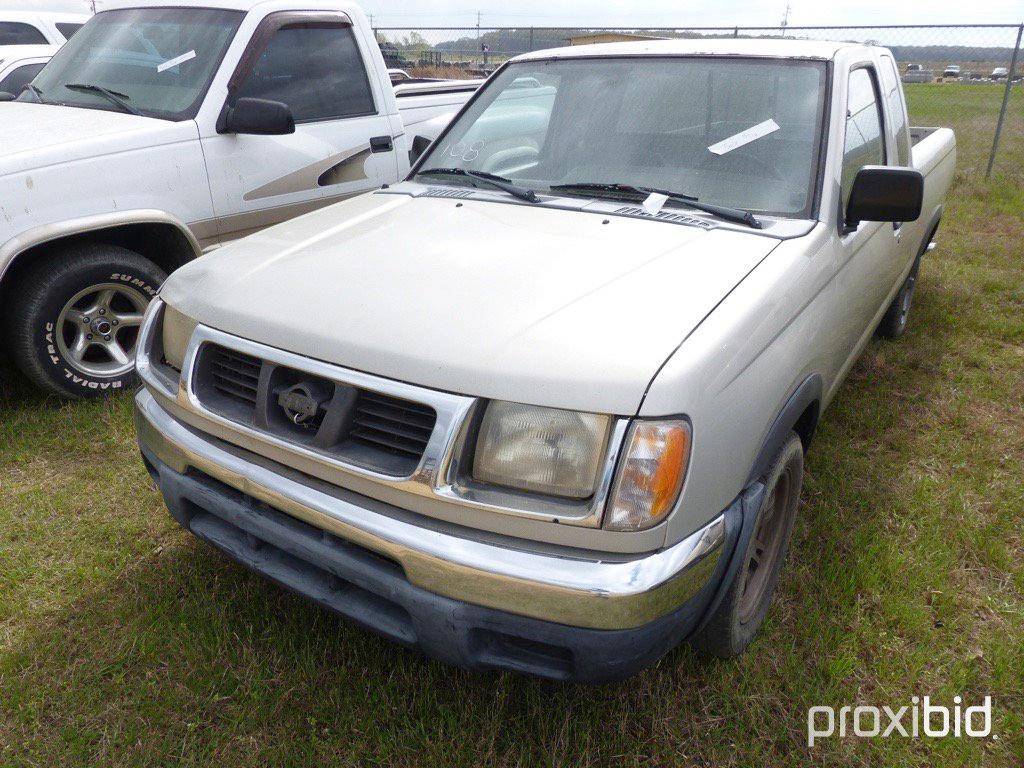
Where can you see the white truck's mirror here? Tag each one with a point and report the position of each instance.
(261, 117)
(885, 193)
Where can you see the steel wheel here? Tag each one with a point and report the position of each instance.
(767, 545)
(906, 298)
(98, 327)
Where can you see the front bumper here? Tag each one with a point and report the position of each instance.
(460, 599)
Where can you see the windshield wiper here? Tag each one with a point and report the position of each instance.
(34, 91)
(498, 182)
(120, 99)
(737, 215)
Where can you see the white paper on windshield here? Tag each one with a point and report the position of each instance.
(176, 61)
(654, 203)
(744, 137)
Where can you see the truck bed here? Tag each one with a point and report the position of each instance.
(919, 134)
(437, 100)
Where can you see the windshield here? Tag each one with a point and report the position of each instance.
(161, 60)
(738, 132)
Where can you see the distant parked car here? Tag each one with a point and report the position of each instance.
(953, 70)
(20, 63)
(38, 27)
(1000, 73)
(916, 73)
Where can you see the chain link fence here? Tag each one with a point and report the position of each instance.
(967, 77)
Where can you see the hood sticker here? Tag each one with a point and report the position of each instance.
(744, 137)
(175, 61)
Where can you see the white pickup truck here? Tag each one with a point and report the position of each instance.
(544, 406)
(164, 129)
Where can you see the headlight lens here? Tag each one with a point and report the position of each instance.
(545, 450)
(651, 474)
(177, 330)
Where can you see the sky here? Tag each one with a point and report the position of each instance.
(418, 13)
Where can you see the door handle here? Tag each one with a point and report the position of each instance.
(381, 144)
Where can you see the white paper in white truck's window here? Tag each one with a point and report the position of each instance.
(744, 137)
(176, 61)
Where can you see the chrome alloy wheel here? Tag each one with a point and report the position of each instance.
(97, 329)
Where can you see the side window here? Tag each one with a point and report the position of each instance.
(17, 79)
(16, 33)
(897, 110)
(67, 29)
(314, 68)
(864, 140)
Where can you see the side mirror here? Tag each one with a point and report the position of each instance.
(884, 193)
(259, 117)
(419, 146)
(5, 96)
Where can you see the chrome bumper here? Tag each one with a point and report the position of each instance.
(578, 592)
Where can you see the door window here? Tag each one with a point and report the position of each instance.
(865, 144)
(17, 79)
(897, 110)
(16, 33)
(314, 68)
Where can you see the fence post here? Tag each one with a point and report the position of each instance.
(1006, 101)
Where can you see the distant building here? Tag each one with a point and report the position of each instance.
(609, 37)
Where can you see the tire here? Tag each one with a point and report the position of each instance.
(736, 621)
(894, 322)
(76, 318)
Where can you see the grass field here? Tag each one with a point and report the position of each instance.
(124, 641)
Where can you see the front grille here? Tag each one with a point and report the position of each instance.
(234, 374)
(394, 425)
(368, 429)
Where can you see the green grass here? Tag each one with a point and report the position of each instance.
(123, 641)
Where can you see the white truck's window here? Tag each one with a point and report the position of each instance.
(897, 109)
(17, 33)
(740, 132)
(15, 80)
(123, 50)
(68, 30)
(864, 140)
(316, 69)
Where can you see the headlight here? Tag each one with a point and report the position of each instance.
(651, 473)
(177, 331)
(544, 450)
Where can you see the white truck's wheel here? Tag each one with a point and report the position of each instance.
(741, 613)
(75, 318)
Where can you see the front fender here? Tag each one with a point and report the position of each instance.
(45, 233)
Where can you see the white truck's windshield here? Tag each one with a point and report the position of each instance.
(739, 132)
(157, 61)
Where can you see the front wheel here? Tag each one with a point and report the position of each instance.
(76, 316)
(736, 621)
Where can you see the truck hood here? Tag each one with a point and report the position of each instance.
(37, 135)
(526, 303)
